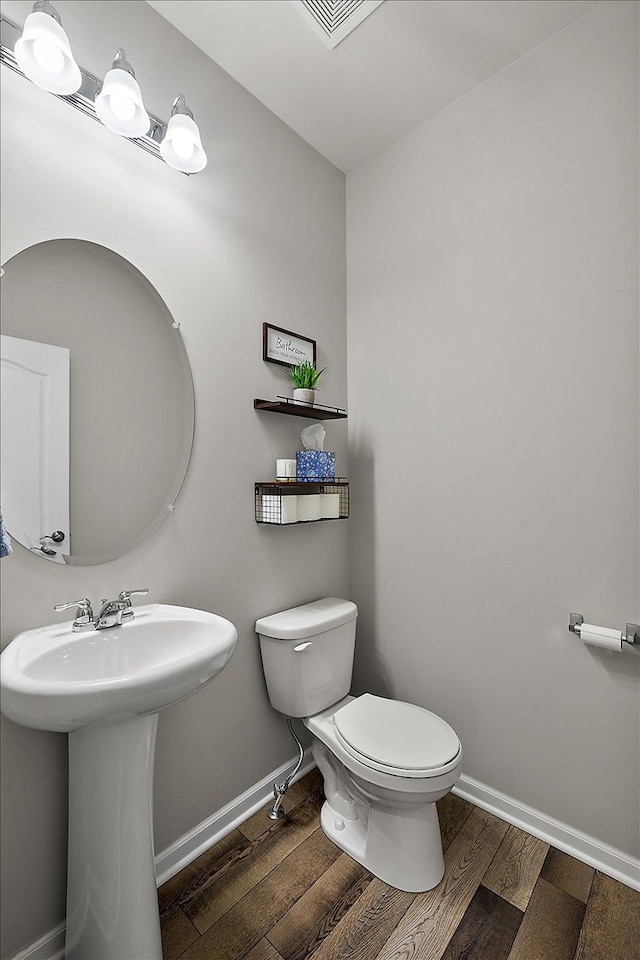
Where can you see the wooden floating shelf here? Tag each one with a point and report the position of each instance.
(291, 485)
(295, 409)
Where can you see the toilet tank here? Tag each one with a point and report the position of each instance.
(307, 655)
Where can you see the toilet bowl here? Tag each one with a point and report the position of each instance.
(384, 762)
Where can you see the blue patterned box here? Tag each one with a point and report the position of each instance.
(315, 465)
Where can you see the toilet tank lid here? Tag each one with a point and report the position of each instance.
(308, 619)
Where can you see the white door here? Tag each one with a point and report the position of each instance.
(35, 441)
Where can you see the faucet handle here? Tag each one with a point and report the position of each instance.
(126, 595)
(84, 613)
(125, 599)
(84, 606)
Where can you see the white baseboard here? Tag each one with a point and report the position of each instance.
(186, 848)
(205, 834)
(615, 863)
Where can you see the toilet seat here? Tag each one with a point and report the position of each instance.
(397, 738)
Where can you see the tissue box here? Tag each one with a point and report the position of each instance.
(315, 465)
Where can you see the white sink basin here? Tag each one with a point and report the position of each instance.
(53, 679)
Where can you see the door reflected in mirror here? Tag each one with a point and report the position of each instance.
(97, 403)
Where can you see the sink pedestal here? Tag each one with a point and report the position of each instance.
(112, 901)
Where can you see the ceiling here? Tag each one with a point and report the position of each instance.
(403, 63)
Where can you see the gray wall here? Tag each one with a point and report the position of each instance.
(493, 422)
(258, 236)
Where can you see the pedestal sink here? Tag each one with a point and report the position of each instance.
(105, 688)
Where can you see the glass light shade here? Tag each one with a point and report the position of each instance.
(44, 55)
(182, 146)
(119, 105)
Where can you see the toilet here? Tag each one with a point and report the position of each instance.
(384, 762)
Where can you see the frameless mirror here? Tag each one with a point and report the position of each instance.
(97, 403)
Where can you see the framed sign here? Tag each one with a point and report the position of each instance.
(286, 347)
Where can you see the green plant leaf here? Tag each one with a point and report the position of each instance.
(304, 376)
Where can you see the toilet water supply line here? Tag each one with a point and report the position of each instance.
(279, 789)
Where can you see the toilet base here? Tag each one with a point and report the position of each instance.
(349, 835)
(390, 851)
(399, 842)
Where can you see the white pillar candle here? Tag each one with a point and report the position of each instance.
(285, 469)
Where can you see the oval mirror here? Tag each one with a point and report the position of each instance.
(97, 403)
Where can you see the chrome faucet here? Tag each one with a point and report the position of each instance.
(116, 612)
(112, 614)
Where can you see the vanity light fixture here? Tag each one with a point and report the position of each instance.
(43, 52)
(182, 147)
(119, 103)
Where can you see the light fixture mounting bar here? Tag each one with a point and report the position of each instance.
(83, 100)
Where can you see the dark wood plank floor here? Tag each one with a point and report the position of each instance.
(283, 891)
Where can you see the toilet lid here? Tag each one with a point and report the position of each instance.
(397, 734)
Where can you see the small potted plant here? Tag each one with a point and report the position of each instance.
(304, 377)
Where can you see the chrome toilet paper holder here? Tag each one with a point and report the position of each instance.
(631, 633)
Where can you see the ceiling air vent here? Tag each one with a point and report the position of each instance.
(333, 20)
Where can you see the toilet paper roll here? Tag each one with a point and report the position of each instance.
(309, 507)
(270, 509)
(330, 506)
(289, 509)
(285, 469)
(276, 509)
(601, 637)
